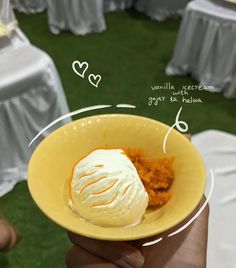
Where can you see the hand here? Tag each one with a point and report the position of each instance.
(98, 254)
(9, 236)
(186, 249)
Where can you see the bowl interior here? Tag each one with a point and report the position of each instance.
(52, 161)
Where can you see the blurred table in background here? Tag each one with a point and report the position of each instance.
(31, 97)
(116, 5)
(78, 16)
(29, 6)
(13, 40)
(206, 47)
(10, 35)
(13, 36)
(161, 9)
(6, 14)
(218, 150)
(231, 1)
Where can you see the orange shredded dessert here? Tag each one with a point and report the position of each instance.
(157, 175)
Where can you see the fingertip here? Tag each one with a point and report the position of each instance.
(134, 258)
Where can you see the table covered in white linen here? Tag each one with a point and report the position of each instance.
(14, 40)
(6, 14)
(78, 16)
(206, 47)
(161, 9)
(218, 150)
(31, 96)
(115, 5)
(16, 37)
(29, 6)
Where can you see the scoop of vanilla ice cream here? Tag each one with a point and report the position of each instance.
(107, 190)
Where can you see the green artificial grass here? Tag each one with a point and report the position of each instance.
(131, 56)
(43, 243)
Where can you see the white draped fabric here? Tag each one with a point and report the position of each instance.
(78, 16)
(16, 38)
(218, 150)
(29, 6)
(206, 47)
(7, 16)
(12, 41)
(161, 9)
(83, 17)
(31, 96)
(115, 5)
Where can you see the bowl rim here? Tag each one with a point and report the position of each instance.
(120, 237)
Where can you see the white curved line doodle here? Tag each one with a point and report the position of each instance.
(193, 218)
(82, 110)
(123, 105)
(152, 242)
(177, 124)
(201, 209)
(86, 109)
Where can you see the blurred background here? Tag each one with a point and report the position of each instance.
(135, 46)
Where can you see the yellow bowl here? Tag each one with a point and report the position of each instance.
(52, 161)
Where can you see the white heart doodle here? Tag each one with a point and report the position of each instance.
(94, 79)
(83, 66)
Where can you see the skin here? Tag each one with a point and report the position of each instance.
(186, 249)
(9, 236)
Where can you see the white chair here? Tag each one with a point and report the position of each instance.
(205, 47)
(161, 9)
(78, 16)
(29, 6)
(116, 5)
(31, 97)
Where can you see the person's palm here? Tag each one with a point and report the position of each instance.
(186, 249)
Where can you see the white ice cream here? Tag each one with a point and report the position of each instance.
(107, 190)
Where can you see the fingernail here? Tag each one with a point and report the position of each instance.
(134, 259)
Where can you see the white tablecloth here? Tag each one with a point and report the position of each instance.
(16, 39)
(6, 14)
(115, 5)
(206, 45)
(31, 96)
(29, 6)
(218, 150)
(78, 16)
(161, 9)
